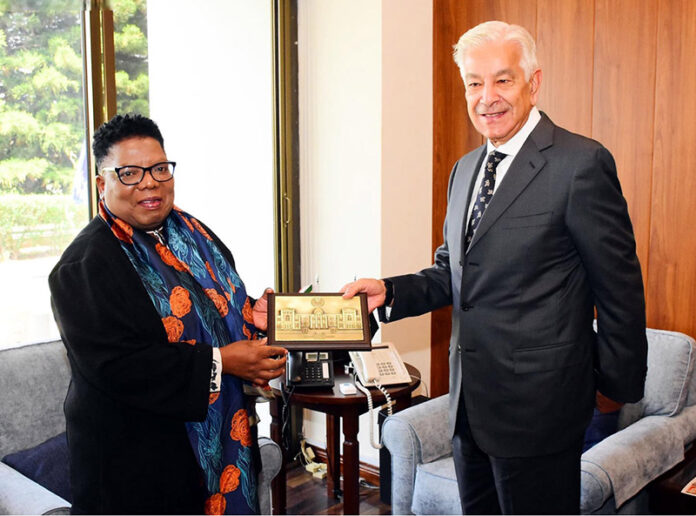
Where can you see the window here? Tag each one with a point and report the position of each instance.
(204, 74)
(42, 158)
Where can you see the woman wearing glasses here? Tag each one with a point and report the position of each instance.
(162, 339)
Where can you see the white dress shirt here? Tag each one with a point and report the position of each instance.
(510, 148)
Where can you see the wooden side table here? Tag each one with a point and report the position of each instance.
(337, 407)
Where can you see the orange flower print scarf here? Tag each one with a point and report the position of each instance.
(201, 299)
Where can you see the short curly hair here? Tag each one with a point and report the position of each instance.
(120, 128)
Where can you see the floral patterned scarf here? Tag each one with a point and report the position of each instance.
(200, 298)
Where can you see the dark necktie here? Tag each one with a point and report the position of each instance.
(484, 195)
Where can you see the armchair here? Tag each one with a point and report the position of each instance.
(652, 437)
(33, 381)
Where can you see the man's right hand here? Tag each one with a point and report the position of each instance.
(374, 288)
(253, 360)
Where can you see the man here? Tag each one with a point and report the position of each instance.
(536, 237)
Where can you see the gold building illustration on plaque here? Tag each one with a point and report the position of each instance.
(318, 318)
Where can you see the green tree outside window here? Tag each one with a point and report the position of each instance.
(42, 136)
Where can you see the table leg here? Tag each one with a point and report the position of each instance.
(333, 456)
(351, 464)
(278, 499)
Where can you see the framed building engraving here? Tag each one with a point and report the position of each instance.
(316, 321)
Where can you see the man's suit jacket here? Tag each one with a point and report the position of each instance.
(555, 242)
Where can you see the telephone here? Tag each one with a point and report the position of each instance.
(382, 365)
(309, 369)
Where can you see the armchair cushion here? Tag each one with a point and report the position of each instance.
(628, 460)
(46, 464)
(436, 482)
(419, 431)
(670, 362)
(415, 436)
(33, 383)
(21, 495)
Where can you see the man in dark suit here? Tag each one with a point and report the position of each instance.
(537, 236)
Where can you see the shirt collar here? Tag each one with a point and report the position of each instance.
(514, 144)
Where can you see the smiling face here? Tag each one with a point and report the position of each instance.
(147, 204)
(498, 96)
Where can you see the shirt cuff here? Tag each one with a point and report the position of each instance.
(384, 313)
(216, 371)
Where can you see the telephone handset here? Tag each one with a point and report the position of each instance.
(382, 365)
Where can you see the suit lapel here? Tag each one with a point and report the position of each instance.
(525, 166)
(467, 184)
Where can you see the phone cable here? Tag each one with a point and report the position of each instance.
(286, 394)
(389, 403)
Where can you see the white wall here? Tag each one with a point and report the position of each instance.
(211, 94)
(365, 105)
(340, 159)
(407, 161)
(340, 111)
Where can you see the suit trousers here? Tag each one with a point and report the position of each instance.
(548, 484)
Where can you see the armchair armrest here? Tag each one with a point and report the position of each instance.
(414, 436)
(628, 460)
(21, 495)
(271, 461)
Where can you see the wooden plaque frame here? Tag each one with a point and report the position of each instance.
(327, 333)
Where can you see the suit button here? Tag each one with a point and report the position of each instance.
(466, 307)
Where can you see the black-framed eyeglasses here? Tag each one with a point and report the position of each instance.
(131, 175)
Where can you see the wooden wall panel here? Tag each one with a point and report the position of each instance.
(564, 36)
(624, 122)
(621, 72)
(672, 265)
(449, 112)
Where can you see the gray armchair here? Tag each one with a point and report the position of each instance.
(33, 382)
(614, 473)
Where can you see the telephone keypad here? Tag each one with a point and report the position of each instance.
(316, 370)
(385, 368)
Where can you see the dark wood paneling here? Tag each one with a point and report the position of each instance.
(450, 137)
(564, 48)
(621, 72)
(672, 262)
(624, 122)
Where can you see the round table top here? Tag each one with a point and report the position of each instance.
(333, 396)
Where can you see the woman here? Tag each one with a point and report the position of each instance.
(162, 340)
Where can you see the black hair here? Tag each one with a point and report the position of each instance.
(120, 128)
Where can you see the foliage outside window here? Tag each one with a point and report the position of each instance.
(43, 170)
(130, 48)
(41, 127)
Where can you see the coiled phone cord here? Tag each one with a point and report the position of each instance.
(389, 403)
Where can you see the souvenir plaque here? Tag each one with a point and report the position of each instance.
(318, 321)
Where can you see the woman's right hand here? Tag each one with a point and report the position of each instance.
(253, 360)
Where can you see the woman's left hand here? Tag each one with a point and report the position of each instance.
(260, 311)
